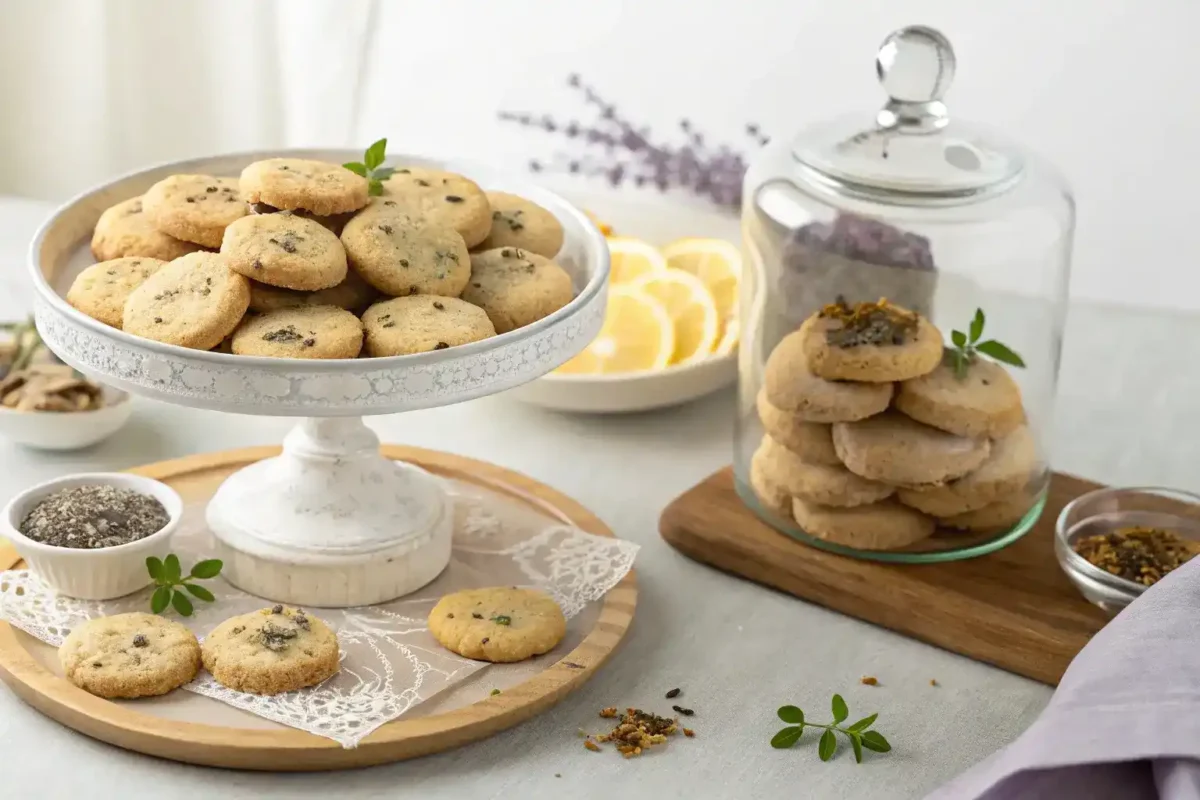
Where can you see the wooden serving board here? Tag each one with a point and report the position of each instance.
(169, 727)
(1014, 608)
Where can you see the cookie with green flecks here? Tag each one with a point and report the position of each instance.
(517, 222)
(130, 655)
(516, 288)
(306, 332)
(292, 184)
(194, 301)
(285, 250)
(100, 291)
(194, 208)
(440, 198)
(277, 649)
(399, 254)
(499, 624)
(124, 231)
(422, 323)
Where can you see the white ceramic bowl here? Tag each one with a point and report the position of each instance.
(67, 430)
(100, 574)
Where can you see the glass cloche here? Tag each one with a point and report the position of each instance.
(902, 318)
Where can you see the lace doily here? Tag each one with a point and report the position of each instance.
(390, 662)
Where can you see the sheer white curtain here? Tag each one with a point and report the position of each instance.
(93, 88)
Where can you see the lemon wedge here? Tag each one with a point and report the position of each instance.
(718, 263)
(637, 335)
(691, 308)
(632, 258)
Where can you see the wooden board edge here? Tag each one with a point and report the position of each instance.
(291, 750)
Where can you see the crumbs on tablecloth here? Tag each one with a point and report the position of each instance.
(869, 680)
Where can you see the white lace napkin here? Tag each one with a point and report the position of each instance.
(390, 662)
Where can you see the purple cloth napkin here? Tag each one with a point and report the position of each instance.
(1125, 720)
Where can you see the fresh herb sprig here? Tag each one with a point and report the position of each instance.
(371, 167)
(168, 577)
(858, 733)
(968, 345)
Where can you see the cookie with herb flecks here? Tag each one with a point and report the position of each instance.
(516, 288)
(790, 386)
(307, 332)
(100, 291)
(517, 222)
(817, 483)
(353, 294)
(277, 649)
(1007, 470)
(286, 251)
(124, 231)
(333, 223)
(401, 255)
(423, 323)
(501, 624)
(291, 184)
(894, 449)
(812, 441)
(194, 301)
(870, 342)
(194, 208)
(129, 655)
(885, 525)
(981, 400)
(440, 198)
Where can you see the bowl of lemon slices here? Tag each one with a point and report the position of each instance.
(670, 332)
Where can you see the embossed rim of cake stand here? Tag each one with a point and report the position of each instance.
(285, 522)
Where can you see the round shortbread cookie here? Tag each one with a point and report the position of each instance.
(195, 208)
(994, 517)
(986, 401)
(517, 222)
(441, 198)
(100, 291)
(915, 353)
(277, 649)
(812, 441)
(306, 332)
(790, 386)
(194, 301)
(817, 483)
(320, 188)
(422, 323)
(885, 525)
(129, 655)
(353, 294)
(285, 250)
(124, 231)
(1008, 468)
(401, 255)
(516, 288)
(900, 451)
(502, 624)
(770, 493)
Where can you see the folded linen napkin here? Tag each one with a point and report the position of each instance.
(1125, 720)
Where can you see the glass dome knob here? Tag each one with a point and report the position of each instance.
(915, 66)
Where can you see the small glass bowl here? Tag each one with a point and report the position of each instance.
(1106, 510)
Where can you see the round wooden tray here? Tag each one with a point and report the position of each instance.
(284, 749)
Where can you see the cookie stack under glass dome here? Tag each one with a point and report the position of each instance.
(903, 313)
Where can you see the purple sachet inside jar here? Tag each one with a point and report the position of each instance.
(864, 239)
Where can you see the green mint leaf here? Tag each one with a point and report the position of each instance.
(840, 712)
(960, 364)
(201, 592)
(172, 571)
(977, 326)
(786, 737)
(160, 600)
(374, 188)
(959, 338)
(856, 743)
(863, 723)
(182, 604)
(791, 714)
(155, 567)
(1000, 352)
(873, 740)
(356, 168)
(827, 746)
(375, 154)
(210, 568)
(383, 173)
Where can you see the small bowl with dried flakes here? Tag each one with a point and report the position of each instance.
(50, 407)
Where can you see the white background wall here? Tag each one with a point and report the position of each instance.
(1104, 88)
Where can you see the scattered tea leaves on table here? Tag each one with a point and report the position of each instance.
(172, 588)
(966, 348)
(671, 695)
(858, 733)
(635, 731)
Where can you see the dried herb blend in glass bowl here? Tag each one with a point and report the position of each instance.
(902, 316)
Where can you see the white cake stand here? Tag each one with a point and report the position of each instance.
(329, 522)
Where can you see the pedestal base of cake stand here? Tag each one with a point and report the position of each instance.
(330, 522)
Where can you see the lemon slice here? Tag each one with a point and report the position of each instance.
(632, 258)
(637, 334)
(718, 264)
(691, 308)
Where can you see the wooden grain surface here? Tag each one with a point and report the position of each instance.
(1013, 608)
(195, 477)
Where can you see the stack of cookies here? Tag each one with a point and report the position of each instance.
(876, 436)
(297, 259)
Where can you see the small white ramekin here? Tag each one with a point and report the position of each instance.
(103, 573)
